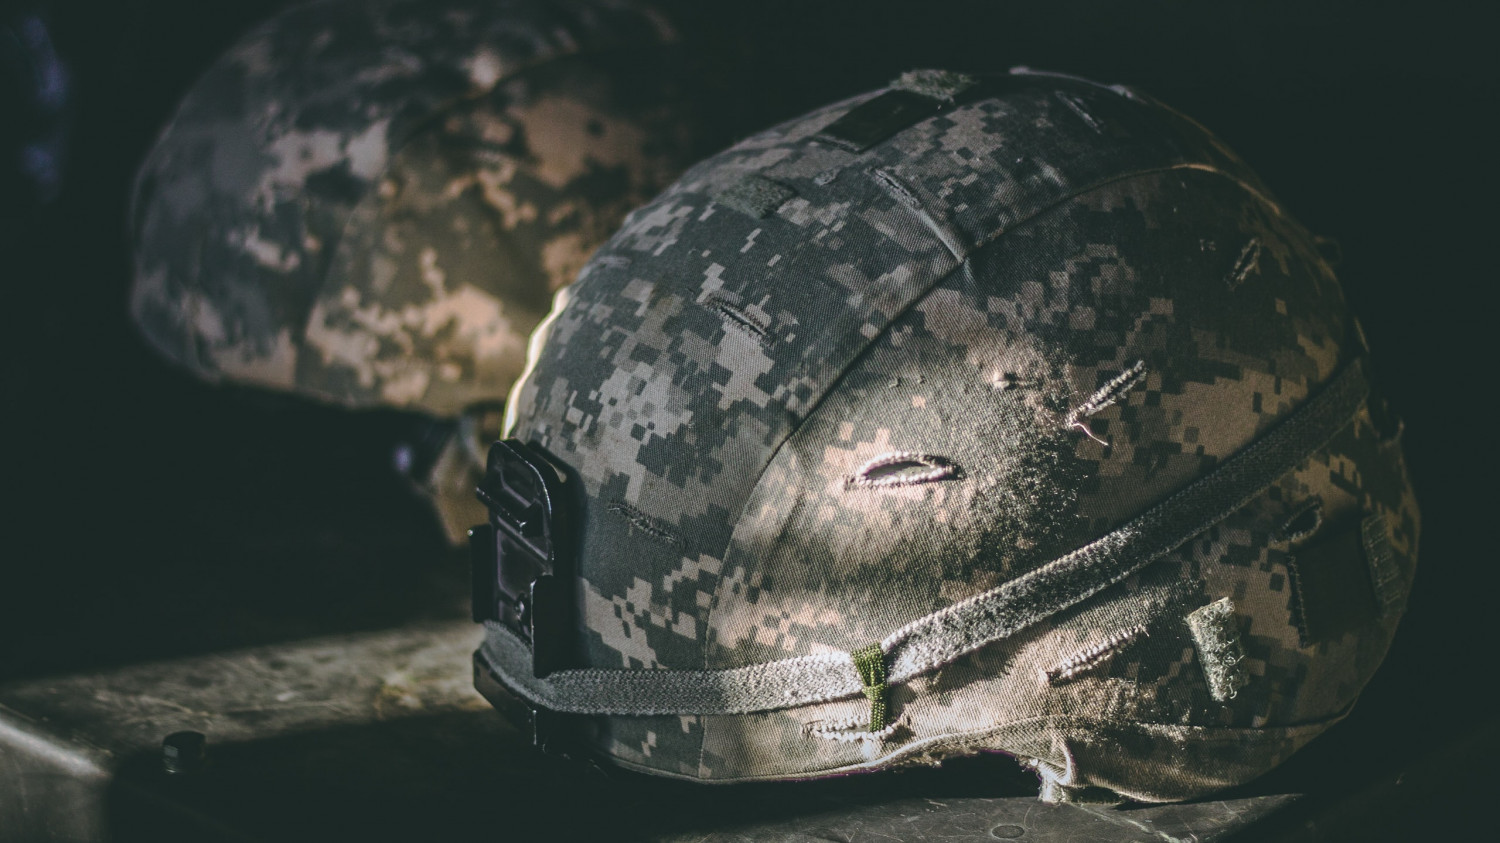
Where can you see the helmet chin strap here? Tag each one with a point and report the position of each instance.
(944, 636)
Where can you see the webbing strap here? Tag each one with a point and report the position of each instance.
(946, 635)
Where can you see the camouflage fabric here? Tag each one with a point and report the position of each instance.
(370, 202)
(964, 340)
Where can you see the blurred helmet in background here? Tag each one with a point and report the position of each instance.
(371, 202)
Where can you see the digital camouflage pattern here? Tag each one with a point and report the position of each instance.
(1023, 318)
(370, 202)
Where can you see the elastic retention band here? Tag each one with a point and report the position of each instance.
(944, 636)
(869, 662)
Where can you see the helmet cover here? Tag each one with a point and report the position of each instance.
(1001, 414)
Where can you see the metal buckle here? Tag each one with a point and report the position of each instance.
(523, 556)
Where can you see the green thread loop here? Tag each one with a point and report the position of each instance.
(869, 662)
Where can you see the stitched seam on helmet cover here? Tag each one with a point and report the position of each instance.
(963, 627)
(1299, 603)
(738, 318)
(1024, 70)
(1075, 105)
(937, 468)
(895, 187)
(645, 523)
(835, 724)
(851, 730)
(1093, 655)
(1103, 397)
(1293, 532)
(1216, 634)
(1247, 262)
(909, 196)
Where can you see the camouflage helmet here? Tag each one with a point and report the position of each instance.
(370, 202)
(1004, 413)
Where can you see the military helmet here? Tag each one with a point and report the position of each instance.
(370, 202)
(1002, 413)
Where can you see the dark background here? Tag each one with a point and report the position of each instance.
(149, 516)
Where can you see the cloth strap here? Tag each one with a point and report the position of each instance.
(944, 636)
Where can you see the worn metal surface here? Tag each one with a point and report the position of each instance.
(381, 736)
(79, 753)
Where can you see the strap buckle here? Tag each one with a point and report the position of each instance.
(522, 556)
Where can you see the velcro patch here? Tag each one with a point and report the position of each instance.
(912, 98)
(874, 120)
(935, 84)
(1332, 584)
(1217, 637)
(755, 196)
(1385, 576)
(1093, 655)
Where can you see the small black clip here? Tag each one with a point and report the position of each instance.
(523, 556)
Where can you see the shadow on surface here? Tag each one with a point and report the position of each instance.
(460, 775)
(454, 776)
